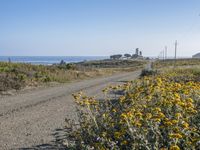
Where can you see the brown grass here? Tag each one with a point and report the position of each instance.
(19, 75)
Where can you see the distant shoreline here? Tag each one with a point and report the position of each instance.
(49, 60)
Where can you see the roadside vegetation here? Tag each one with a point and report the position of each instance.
(117, 63)
(19, 75)
(159, 111)
(178, 62)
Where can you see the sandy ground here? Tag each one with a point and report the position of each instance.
(35, 119)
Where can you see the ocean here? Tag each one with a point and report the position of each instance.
(49, 60)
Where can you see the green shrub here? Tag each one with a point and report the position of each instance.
(147, 72)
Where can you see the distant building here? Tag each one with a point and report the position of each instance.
(196, 55)
(137, 51)
(138, 54)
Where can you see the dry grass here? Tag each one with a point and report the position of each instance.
(178, 62)
(18, 75)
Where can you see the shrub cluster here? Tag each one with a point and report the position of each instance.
(8, 82)
(157, 112)
(147, 72)
(17, 75)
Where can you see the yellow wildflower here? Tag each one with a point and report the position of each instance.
(174, 147)
(123, 115)
(177, 96)
(124, 142)
(157, 119)
(185, 125)
(174, 121)
(117, 135)
(104, 134)
(189, 100)
(138, 114)
(122, 98)
(159, 80)
(189, 104)
(181, 104)
(104, 115)
(148, 115)
(86, 102)
(168, 123)
(157, 109)
(105, 90)
(161, 115)
(114, 110)
(176, 129)
(175, 135)
(178, 115)
(138, 124)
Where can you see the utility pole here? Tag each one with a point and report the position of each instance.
(165, 52)
(176, 43)
(161, 55)
(176, 49)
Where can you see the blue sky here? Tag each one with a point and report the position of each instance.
(98, 27)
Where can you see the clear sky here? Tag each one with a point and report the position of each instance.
(98, 27)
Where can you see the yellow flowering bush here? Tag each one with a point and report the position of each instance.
(153, 112)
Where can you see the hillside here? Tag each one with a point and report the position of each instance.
(196, 55)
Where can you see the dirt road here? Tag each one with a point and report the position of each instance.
(33, 120)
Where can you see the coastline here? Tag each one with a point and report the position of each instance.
(49, 60)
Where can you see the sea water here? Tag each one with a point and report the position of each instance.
(49, 60)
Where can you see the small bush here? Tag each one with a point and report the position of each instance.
(18, 75)
(8, 82)
(147, 72)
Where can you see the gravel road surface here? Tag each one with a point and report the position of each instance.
(35, 119)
